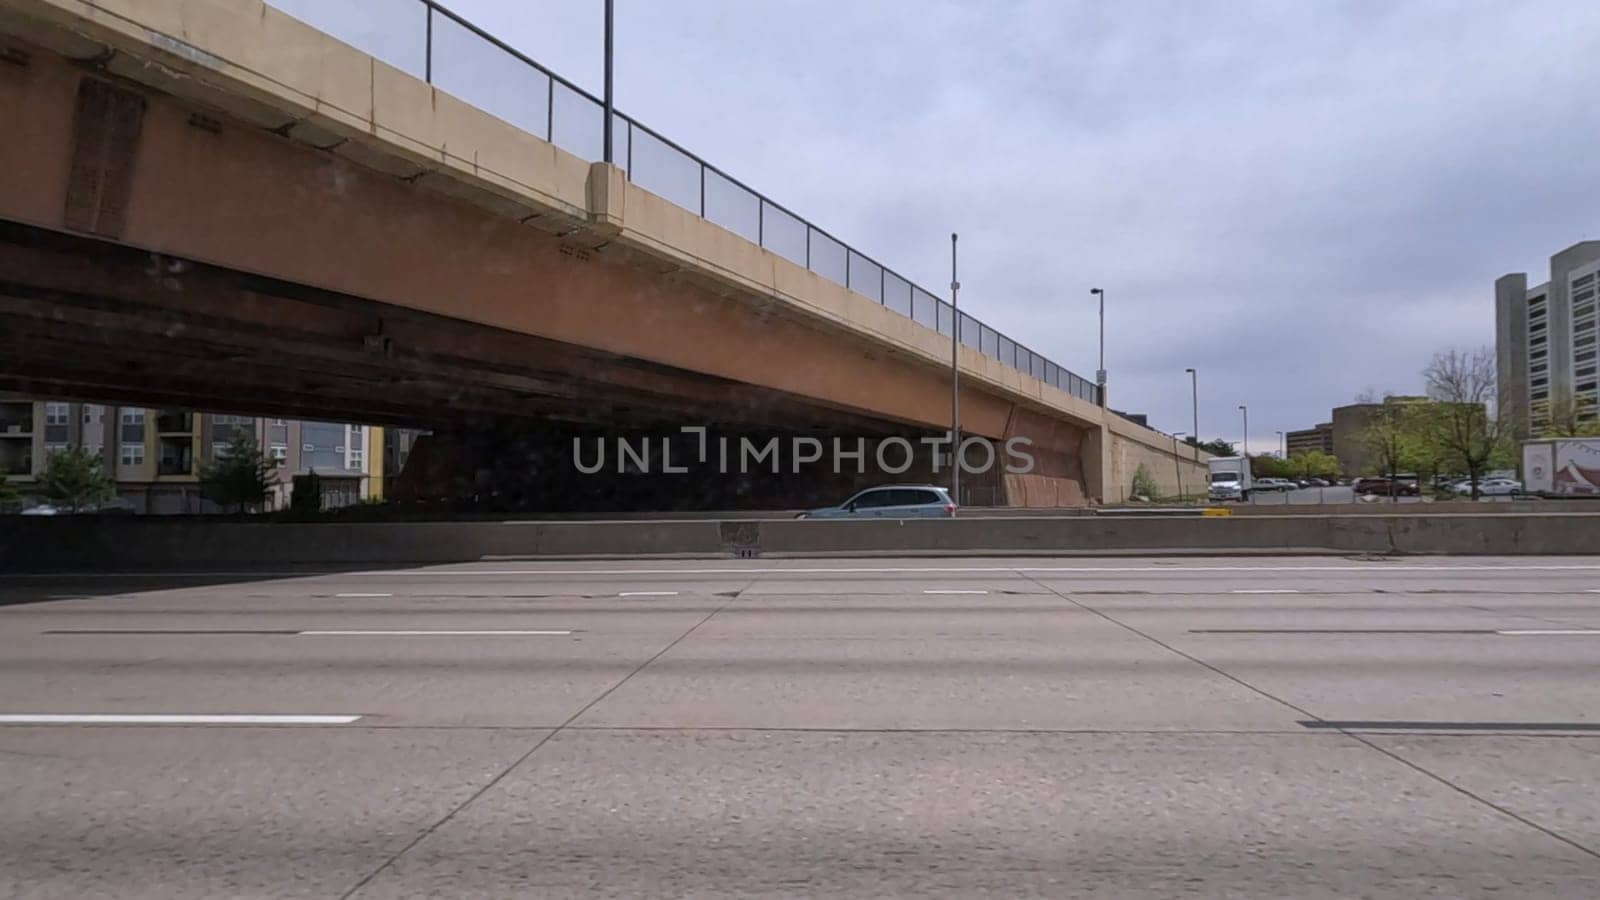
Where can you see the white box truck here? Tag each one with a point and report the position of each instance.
(1561, 467)
(1230, 478)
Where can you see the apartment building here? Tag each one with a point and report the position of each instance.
(155, 455)
(1317, 438)
(1545, 341)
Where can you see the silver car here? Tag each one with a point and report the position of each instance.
(893, 501)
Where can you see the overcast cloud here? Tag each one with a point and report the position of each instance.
(1301, 200)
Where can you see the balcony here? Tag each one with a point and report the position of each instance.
(175, 467)
(177, 456)
(169, 422)
(16, 420)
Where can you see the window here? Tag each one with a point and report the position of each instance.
(53, 448)
(133, 417)
(279, 422)
(873, 500)
(357, 459)
(56, 413)
(219, 450)
(278, 451)
(93, 413)
(132, 455)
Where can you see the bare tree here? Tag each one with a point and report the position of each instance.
(1462, 384)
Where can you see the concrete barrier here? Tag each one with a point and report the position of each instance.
(89, 543)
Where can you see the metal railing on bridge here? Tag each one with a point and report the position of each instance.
(435, 44)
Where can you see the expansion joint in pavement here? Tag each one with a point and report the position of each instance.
(456, 810)
(1416, 767)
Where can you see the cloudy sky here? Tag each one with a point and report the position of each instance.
(1302, 200)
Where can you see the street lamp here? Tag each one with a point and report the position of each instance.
(610, 106)
(1100, 374)
(1194, 393)
(955, 379)
(1177, 467)
(1246, 411)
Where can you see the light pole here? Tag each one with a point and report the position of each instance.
(955, 379)
(610, 105)
(1246, 411)
(1177, 467)
(1194, 397)
(1100, 373)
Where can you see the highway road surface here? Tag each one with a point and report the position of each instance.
(1259, 727)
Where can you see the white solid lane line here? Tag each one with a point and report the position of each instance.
(1380, 569)
(1549, 631)
(1268, 591)
(953, 592)
(363, 595)
(366, 632)
(1383, 569)
(648, 594)
(166, 719)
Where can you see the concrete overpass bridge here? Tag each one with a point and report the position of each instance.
(211, 203)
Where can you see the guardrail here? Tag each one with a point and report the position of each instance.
(437, 45)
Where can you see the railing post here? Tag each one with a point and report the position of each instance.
(702, 190)
(808, 247)
(761, 221)
(609, 151)
(630, 150)
(427, 51)
(550, 109)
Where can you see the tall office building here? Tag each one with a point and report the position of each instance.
(155, 455)
(1545, 345)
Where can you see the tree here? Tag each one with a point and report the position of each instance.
(1218, 447)
(1393, 436)
(1144, 484)
(74, 478)
(1314, 464)
(1462, 383)
(1267, 465)
(9, 497)
(240, 476)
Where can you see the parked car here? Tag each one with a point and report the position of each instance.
(1385, 487)
(43, 509)
(1274, 484)
(893, 501)
(1318, 482)
(1490, 487)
